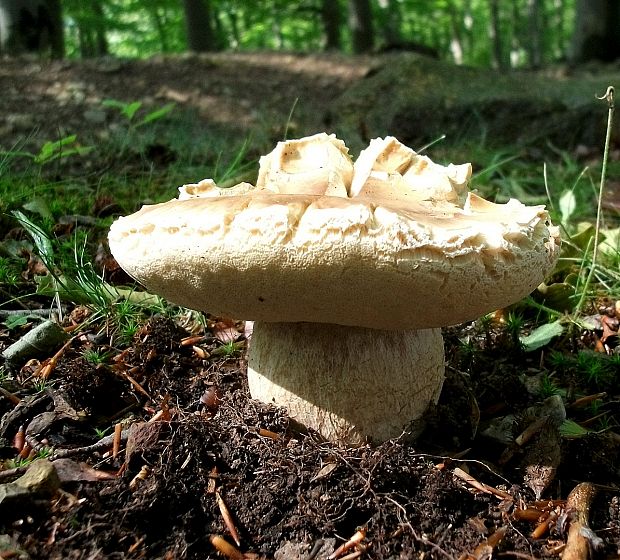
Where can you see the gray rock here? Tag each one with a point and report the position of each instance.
(40, 479)
(300, 551)
(12, 494)
(40, 342)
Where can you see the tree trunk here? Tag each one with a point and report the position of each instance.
(497, 47)
(360, 22)
(31, 26)
(596, 31)
(101, 42)
(391, 23)
(535, 27)
(331, 17)
(199, 25)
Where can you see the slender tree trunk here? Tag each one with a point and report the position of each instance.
(32, 25)
(331, 16)
(495, 34)
(100, 41)
(56, 29)
(596, 34)
(534, 43)
(456, 41)
(391, 29)
(233, 20)
(199, 25)
(159, 25)
(361, 25)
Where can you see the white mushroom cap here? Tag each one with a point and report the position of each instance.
(386, 262)
(386, 250)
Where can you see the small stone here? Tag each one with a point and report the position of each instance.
(12, 494)
(299, 551)
(501, 430)
(40, 342)
(40, 479)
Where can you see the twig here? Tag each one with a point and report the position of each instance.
(225, 548)
(103, 443)
(480, 485)
(116, 441)
(12, 473)
(228, 519)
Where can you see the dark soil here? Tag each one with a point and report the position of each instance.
(192, 438)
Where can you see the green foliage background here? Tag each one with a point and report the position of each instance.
(458, 30)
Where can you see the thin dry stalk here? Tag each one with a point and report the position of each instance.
(228, 519)
(460, 473)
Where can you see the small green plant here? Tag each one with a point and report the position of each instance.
(18, 462)
(594, 369)
(102, 432)
(513, 327)
(129, 111)
(40, 385)
(569, 429)
(9, 272)
(126, 318)
(60, 149)
(230, 349)
(15, 321)
(95, 357)
(548, 387)
(51, 150)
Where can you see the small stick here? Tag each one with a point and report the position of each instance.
(525, 436)
(268, 433)
(19, 441)
(225, 548)
(102, 444)
(529, 514)
(357, 538)
(48, 366)
(584, 401)
(192, 340)
(544, 525)
(14, 399)
(485, 548)
(136, 385)
(353, 555)
(228, 520)
(460, 473)
(116, 442)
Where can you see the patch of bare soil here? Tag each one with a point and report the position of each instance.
(245, 94)
(457, 493)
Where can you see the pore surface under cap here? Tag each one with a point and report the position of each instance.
(326, 259)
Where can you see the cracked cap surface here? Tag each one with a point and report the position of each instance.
(394, 242)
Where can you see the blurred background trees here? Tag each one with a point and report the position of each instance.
(503, 34)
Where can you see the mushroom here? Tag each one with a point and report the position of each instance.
(348, 270)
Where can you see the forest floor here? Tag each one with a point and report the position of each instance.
(142, 422)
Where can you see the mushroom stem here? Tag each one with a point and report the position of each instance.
(350, 384)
